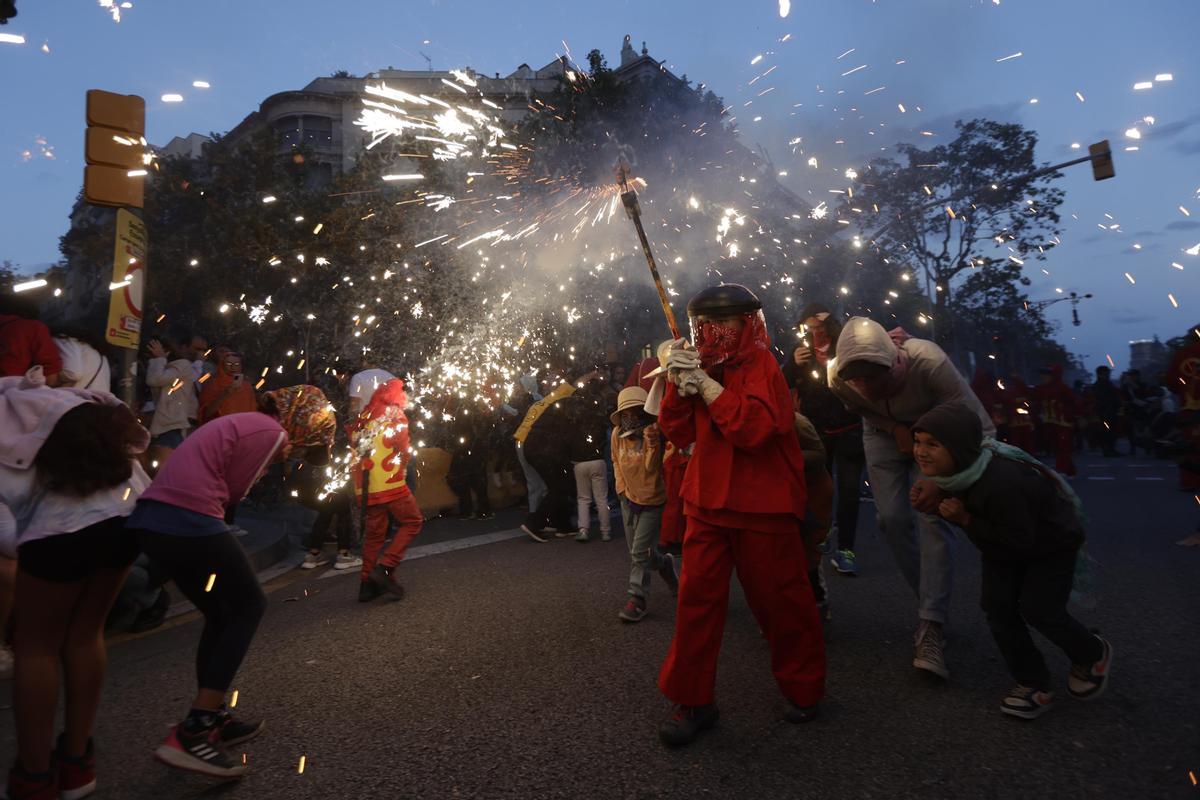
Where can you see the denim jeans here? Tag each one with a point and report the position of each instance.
(535, 487)
(641, 535)
(924, 553)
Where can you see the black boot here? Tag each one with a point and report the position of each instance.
(798, 714)
(368, 591)
(385, 579)
(686, 722)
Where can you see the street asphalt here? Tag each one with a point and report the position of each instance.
(505, 673)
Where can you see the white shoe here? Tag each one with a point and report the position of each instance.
(606, 536)
(313, 560)
(582, 536)
(347, 561)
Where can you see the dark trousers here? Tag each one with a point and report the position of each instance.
(845, 460)
(1035, 592)
(1108, 435)
(468, 480)
(555, 507)
(334, 509)
(232, 607)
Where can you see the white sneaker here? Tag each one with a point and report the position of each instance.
(582, 536)
(347, 561)
(606, 536)
(930, 655)
(6, 663)
(313, 560)
(1026, 702)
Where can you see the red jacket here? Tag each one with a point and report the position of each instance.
(747, 470)
(1056, 402)
(25, 343)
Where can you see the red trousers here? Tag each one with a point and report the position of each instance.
(1062, 439)
(773, 572)
(407, 515)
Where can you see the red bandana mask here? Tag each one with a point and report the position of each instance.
(721, 344)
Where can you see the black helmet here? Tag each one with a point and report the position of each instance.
(727, 298)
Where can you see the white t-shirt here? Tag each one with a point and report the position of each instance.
(364, 384)
(82, 366)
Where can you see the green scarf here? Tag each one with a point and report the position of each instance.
(961, 481)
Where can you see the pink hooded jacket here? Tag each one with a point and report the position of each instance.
(218, 463)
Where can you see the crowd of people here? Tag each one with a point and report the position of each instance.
(712, 455)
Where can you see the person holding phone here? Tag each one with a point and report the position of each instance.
(228, 391)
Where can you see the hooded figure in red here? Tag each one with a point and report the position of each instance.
(1058, 406)
(380, 440)
(744, 500)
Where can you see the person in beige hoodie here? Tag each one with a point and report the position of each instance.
(171, 380)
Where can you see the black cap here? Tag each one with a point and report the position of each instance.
(727, 298)
(958, 428)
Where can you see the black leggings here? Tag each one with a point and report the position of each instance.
(555, 507)
(233, 607)
(335, 507)
(846, 460)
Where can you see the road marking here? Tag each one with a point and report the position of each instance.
(1101, 478)
(1147, 478)
(438, 548)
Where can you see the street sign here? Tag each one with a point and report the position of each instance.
(112, 186)
(1102, 163)
(113, 149)
(128, 281)
(126, 112)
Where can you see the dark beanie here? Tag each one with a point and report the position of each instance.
(812, 310)
(958, 428)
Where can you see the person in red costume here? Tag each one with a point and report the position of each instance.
(1058, 406)
(744, 499)
(1019, 416)
(380, 438)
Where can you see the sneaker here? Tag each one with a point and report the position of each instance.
(6, 663)
(238, 530)
(346, 561)
(385, 579)
(233, 731)
(368, 591)
(843, 562)
(150, 618)
(1088, 681)
(76, 776)
(686, 722)
(582, 537)
(797, 715)
(24, 785)
(825, 546)
(314, 560)
(606, 536)
(1026, 702)
(634, 610)
(532, 534)
(568, 534)
(930, 656)
(198, 752)
(669, 573)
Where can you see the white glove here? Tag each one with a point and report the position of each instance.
(697, 381)
(683, 359)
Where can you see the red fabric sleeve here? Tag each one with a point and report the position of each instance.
(677, 417)
(758, 410)
(44, 351)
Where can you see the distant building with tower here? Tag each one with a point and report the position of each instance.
(1148, 356)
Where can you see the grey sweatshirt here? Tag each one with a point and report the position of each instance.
(931, 379)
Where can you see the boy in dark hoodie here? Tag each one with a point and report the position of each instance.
(1028, 524)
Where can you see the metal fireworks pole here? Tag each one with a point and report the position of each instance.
(634, 211)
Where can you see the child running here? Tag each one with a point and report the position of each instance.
(637, 455)
(1028, 524)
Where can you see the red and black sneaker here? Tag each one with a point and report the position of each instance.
(24, 785)
(76, 775)
(233, 731)
(198, 752)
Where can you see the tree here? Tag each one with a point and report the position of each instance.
(970, 247)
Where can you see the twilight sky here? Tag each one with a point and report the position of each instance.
(950, 49)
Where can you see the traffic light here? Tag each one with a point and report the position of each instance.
(113, 147)
(1102, 163)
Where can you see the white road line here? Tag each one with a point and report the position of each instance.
(438, 548)
(1147, 478)
(1101, 478)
